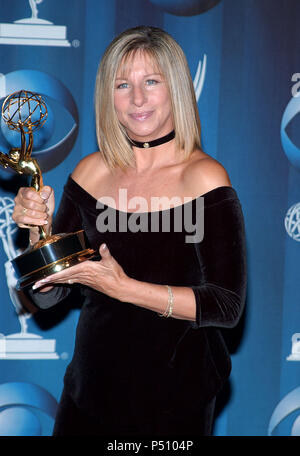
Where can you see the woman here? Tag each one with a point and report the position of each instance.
(149, 357)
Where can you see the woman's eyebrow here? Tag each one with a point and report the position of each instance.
(146, 75)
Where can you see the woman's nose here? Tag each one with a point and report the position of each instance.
(138, 96)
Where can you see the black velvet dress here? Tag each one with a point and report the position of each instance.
(134, 372)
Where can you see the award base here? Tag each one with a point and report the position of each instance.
(51, 255)
(293, 357)
(27, 346)
(34, 32)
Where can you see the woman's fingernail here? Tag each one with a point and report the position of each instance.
(104, 246)
(39, 284)
(44, 196)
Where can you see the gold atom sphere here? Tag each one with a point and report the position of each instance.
(26, 109)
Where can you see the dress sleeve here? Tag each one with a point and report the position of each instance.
(47, 299)
(67, 220)
(221, 254)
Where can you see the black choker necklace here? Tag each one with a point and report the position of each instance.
(155, 142)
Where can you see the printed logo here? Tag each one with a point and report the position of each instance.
(289, 404)
(293, 108)
(185, 7)
(295, 352)
(200, 77)
(16, 401)
(34, 31)
(22, 345)
(292, 222)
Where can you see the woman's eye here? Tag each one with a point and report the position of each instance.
(124, 85)
(151, 82)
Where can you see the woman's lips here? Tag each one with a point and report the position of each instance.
(140, 116)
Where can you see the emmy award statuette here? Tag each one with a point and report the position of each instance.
(26, 112)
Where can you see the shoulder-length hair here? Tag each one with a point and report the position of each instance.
(113, 141)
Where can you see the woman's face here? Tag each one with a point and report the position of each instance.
(141, 98)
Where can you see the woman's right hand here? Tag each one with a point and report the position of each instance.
(34, 208)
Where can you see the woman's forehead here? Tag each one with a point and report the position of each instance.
(141, 57)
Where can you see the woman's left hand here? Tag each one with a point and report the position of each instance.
(105, 275)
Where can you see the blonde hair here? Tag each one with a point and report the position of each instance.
(112, 139)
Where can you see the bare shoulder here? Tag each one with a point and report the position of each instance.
(204, 173)
(89, 169)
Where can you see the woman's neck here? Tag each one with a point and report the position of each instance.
(148, 160)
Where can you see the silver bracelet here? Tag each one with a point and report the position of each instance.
(168, 312)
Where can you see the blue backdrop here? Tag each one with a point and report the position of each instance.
(244, 59)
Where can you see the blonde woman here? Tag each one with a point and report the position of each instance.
(149, 357)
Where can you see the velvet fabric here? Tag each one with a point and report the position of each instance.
(72, 421)
(129, 364)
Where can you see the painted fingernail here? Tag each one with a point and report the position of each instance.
(39, 284)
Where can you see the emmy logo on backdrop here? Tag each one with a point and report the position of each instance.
(295, 354)
(34, 31)
(292, 222)
(2, 85)
(200, 77)
(23, 345)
